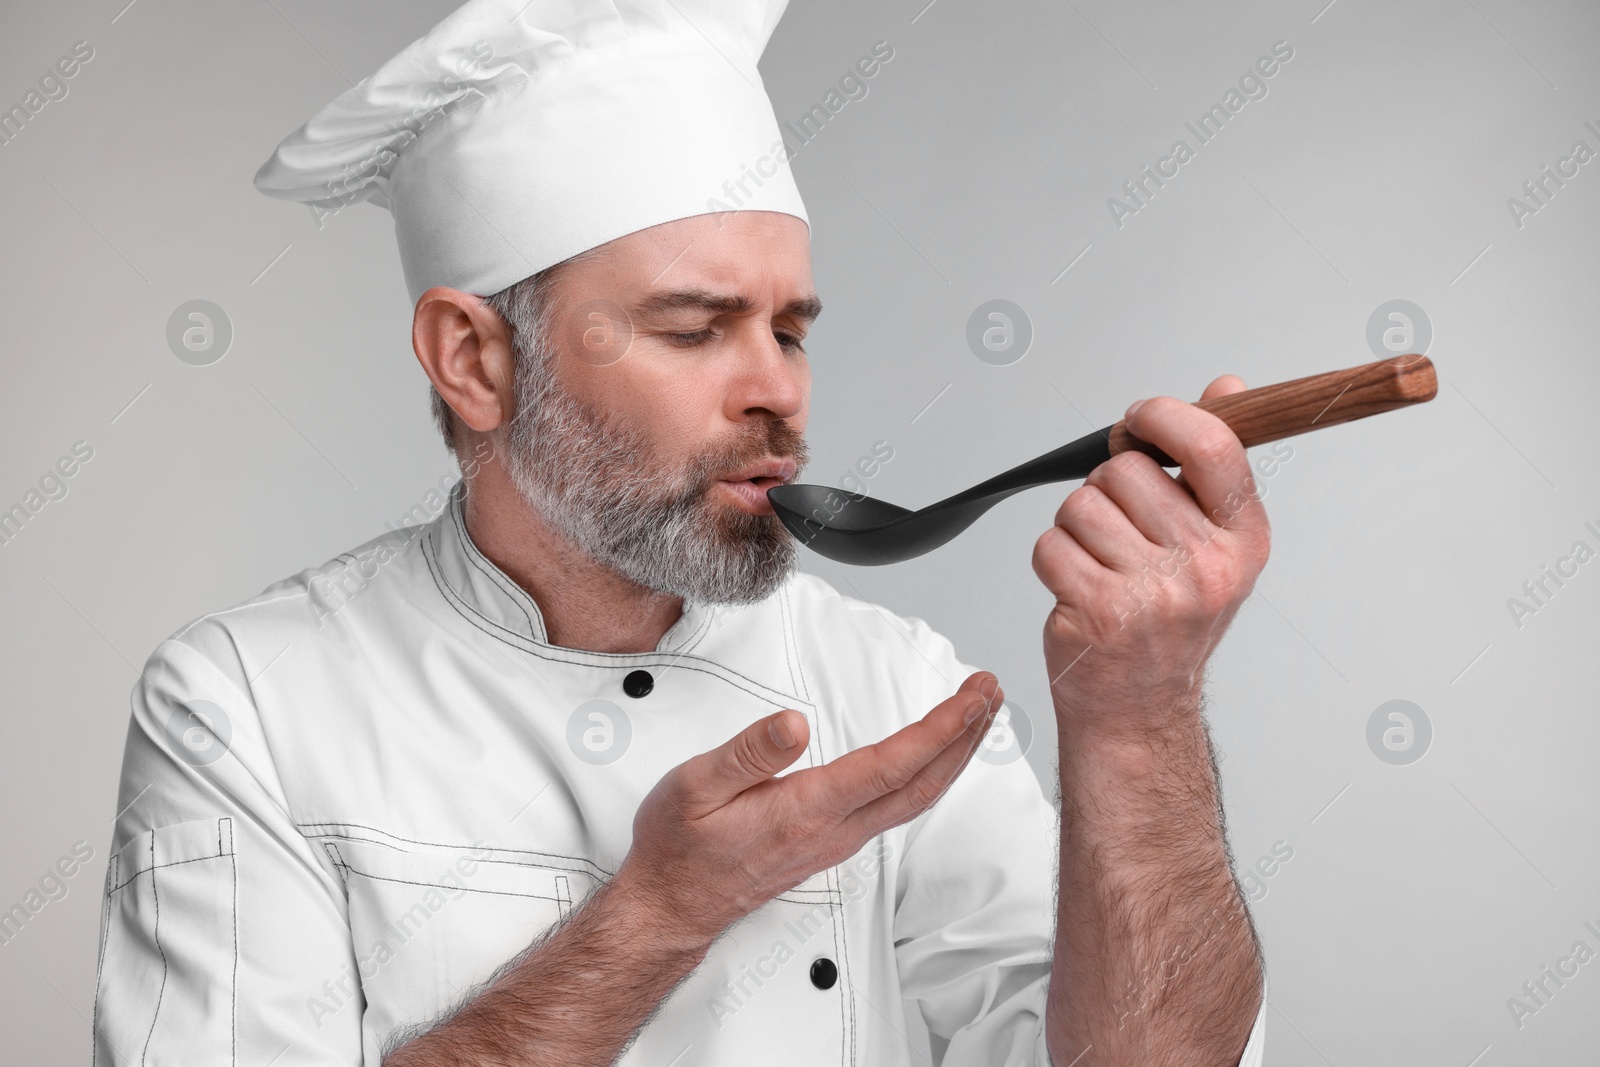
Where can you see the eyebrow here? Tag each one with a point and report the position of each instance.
(805, 308)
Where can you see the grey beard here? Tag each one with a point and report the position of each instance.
(594, 483)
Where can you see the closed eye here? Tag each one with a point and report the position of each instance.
(689, 340)
(788, 341)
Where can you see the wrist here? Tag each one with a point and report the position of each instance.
(1135, 767)
(642, 909)
(1128, 720)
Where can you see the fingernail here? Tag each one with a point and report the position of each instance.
(782, 736)
(977, 709)
(1132, 408)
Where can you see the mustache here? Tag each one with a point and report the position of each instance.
(779, 440)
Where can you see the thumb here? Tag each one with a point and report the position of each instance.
(1223, 386)
(1226, 385)
(752, 756)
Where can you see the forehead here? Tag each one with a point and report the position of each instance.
(763, 255)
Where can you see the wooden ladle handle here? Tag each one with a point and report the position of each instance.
(1274, 412)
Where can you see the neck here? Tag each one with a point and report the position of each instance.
(585, 605)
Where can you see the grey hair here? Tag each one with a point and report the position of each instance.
(526, 308)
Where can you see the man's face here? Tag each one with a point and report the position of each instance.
(675, 371)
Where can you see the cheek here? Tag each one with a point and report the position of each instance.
(679, 419)
(681, 411)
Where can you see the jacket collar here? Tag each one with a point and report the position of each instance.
(487, 591)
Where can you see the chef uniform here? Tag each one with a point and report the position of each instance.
(347, 801)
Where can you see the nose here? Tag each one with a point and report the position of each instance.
(768, 381)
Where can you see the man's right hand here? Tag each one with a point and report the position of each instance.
(720, 835)
(716, 838)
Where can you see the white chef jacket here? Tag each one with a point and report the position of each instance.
(348, 800)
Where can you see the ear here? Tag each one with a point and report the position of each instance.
(465, 350)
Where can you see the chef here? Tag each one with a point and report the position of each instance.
(580, 769)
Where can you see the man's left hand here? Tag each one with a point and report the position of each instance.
(1148, 569)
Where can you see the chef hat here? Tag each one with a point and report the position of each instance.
(516, 134)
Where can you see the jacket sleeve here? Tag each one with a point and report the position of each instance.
(223, 938)
(976, 895)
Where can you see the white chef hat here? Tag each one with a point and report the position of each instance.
(516, 134)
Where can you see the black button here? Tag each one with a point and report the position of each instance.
(638, 683)
(824, 973)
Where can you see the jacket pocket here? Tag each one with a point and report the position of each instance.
(429, 924)
(169, 947)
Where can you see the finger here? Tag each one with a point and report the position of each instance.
(859, 777)
(1096, 522)
(754, 754)
(1214, 465)
(1228, 383)
(1067, 569)
(926, 787)
(1159, 508)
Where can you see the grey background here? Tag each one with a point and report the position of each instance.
(1419, 898)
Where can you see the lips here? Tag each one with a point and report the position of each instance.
(749, 486)
(752, 493)
(774, 471)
